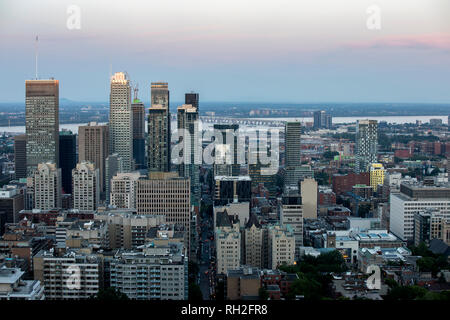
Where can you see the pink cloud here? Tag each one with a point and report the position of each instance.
(420, 41)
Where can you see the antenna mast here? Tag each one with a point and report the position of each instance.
(136, 89)
(36, 57)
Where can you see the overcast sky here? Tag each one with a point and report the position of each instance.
(232, 50)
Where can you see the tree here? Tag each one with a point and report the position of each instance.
(263, 294)
(329, 155)
(195, 294)
(110, 294)
(406, 293)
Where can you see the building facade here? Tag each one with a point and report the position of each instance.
(120, 119)
(41, 122)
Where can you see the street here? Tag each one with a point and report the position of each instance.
(206, 276)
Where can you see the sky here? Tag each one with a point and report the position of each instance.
(284, 51)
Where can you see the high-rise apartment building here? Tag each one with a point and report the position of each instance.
(47, 186)
(253, 243)
(188, 127)
(57, 272)
(155, 272)
(93, 146)
(281, 246)
(86, 193)
(138, 111)
(291, 214)
(366, 144)
(159, 129)
(20, 156)
(42, 122)
(322, 120)
(123, 190)
(67, 158)
(120, 119)
(228, 242)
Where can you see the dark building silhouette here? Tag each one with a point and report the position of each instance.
(138, 110)
(20, 156)
(192, 99)
(67, 158)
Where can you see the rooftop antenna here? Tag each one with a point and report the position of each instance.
(136, 90)
(36, 57)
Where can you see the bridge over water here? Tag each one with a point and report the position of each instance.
(242, 121)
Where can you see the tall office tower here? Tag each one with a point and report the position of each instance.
(292, 144)
(138, 110)
(86, 193)
(165, 193)
(291, 214)
(192, 99)
(123, 190)
(159, 129)
(67, 158)
(113, 165)
(120, 119)
(366, 144)
(293, 131)
(226, 152)
(322, 120)
(20, 156)
(47, 186)
(93, 146)
(187, 118)
(42, 122)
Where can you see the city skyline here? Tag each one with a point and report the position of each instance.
(319, 51)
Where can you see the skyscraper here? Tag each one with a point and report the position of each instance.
(159, 128)
(138, 111)
(293, 131)
(67, 158)
(366, 144)
(187, 119)
(42, 122)
(86, 191)
(20, 156)
(192, 99)
(322, 120)
(93, 146)
(227, 149)
(120, 119)
(293, 163)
